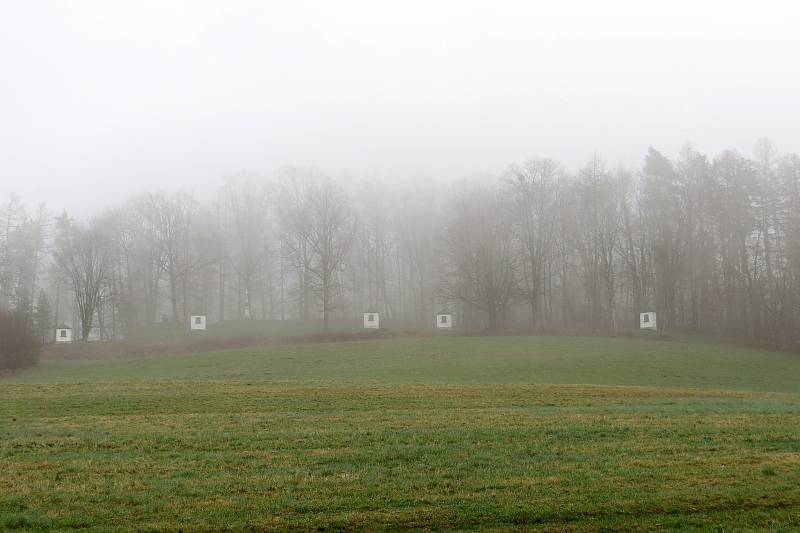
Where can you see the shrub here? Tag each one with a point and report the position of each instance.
(19, 347)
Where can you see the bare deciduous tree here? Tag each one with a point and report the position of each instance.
(533, 188)
(245, 204)
(84, 254)
(317, 216)
(482, 257)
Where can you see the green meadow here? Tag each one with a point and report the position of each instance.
(494, 433)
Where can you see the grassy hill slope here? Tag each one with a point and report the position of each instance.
(545, 359)
(533, 433)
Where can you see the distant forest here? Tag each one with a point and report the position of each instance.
(711, 244)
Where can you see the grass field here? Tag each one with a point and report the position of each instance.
(168, 338)
(538, 433)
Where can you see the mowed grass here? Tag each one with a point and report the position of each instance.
(464, 360)
(536, 433)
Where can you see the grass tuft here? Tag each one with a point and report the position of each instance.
(768, 470)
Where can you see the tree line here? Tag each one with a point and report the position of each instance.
(710, 244)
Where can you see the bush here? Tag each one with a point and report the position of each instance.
(19, 347)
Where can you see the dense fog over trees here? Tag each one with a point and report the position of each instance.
(145, 142)
(709, 242)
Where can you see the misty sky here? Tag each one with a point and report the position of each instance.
(100, 100)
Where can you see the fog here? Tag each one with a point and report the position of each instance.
(366, 265)
(103, 100)
(563, 168)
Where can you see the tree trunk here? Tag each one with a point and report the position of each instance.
(325, 303)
